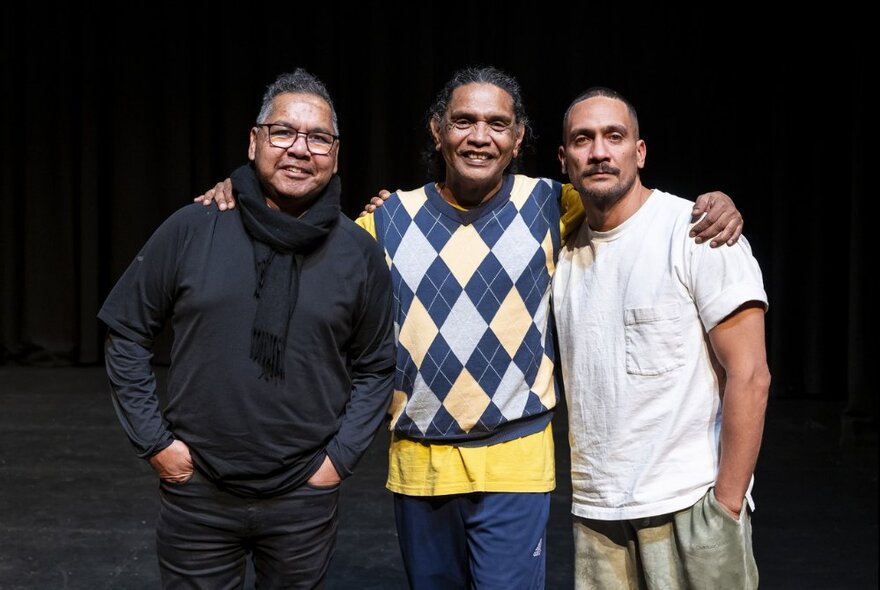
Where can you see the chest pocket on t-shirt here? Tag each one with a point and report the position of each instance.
(654, 339)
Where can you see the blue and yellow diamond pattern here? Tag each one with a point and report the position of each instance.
(471, 309)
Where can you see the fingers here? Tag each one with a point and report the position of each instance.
(220, 194)
(730, 234)
(205, 198)
(173, 463)
(210, 196)
(177, 478)
(721, 222)
(376, 201)
(223, 199)
(725, 229)
(224, 195)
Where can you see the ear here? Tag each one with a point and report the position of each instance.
(336, 157)
(435, 133)
(560, 153)
(520, 135)
(641, 153)
(252, 146)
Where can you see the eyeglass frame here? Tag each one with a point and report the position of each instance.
(297, 133)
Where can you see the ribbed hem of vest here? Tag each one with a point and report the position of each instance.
(510, 431)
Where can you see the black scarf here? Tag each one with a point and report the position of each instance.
(280, 242)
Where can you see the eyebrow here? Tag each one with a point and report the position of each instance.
(604, 130)
(467, 114)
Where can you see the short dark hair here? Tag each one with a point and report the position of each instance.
(608, 93)
(298, 81)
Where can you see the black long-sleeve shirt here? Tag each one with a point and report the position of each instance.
(251, 436)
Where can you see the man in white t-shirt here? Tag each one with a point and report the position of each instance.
(655, 333)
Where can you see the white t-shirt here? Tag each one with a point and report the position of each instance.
(633, 306)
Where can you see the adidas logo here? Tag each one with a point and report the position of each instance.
(537, 552)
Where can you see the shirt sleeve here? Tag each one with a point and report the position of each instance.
(133, 392)
(572, 211)
(723, 279)
(135, 312)
(372, 354)
(368, 222)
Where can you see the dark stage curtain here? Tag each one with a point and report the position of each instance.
(112, 122)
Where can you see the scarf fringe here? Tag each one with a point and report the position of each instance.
(268, 351)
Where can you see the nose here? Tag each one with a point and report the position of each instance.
(599, 150)
(480, 133)
(299, 148)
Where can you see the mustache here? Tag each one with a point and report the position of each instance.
(601, 168)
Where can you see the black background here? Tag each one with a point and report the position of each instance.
(112, 121)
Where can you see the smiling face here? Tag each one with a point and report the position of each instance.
(601, 151)
(292, 177)
(478, 137)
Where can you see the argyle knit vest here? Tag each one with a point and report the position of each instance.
(475, 343)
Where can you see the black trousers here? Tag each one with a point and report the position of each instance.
(204, 536)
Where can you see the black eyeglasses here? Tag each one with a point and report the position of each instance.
(317, 142)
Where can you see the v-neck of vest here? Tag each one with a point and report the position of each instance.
(469, 216)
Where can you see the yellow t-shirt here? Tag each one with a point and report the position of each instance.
(521, 465)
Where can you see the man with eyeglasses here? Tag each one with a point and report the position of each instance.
(282, 363)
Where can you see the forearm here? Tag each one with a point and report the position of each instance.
(133, 392)
(364, 414)
(742, 428)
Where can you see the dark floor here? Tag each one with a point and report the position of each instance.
(77, 507)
